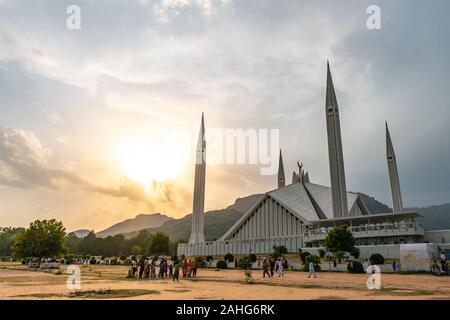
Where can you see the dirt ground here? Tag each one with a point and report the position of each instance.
(110, 282)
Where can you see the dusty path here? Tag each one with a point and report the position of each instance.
(18, 283)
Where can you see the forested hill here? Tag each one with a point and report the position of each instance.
(435, 217)
(217, 222)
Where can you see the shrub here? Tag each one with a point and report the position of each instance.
(280, 249)
(228, 257)
(209, 258)
(92, 261)
(199, 262)
(355, 267)
(311, 258)
(245, 263)
(113, 261)
(253, 257)
(376, 258)
(355, 253)
(221, 264)
(248, 276)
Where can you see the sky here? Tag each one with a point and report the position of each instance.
(99, 124)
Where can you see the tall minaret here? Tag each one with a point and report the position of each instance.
(295, 177)
(197, 235)
(281, 178)
(393, 174)
(336, 158)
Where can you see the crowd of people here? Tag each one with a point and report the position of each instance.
(162, 268)
(277, 265)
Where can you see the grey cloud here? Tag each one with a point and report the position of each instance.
(262, 64)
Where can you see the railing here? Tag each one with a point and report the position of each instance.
(371, 230)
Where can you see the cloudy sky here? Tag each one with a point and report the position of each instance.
(99, 124)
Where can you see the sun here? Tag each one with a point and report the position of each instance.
(145, 161)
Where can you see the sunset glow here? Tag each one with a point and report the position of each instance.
(144, 162)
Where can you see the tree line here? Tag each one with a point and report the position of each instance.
(47, 238)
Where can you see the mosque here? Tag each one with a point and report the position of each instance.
(299, 215)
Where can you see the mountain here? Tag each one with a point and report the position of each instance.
(81, 233)
(142, 221)
(435, 217)
(374, 205)
(216, 221)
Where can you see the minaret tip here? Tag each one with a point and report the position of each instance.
(281, 176)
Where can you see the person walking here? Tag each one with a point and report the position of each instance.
(153, 269)
(147, 270)
(266, 267)
(271, 266)
(141, 267)
(165, 267)
(365, 265)
(394, 265)
(189, 265)
(311, 270)
(134, 267)
(161, 269)
(171, 270)
(185, 268)
(280, 268)
(176, 273)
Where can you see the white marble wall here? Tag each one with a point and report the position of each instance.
(256, 246)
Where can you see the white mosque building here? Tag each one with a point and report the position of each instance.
(299, 215)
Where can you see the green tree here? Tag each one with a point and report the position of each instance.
(6, 240)
(303, 255)
(340, 239)
(42, 239)
(159, 244)
(322, 253)
(136, 250)
(314, 259)
(72, 243)
(278, 251)
(89, 245)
